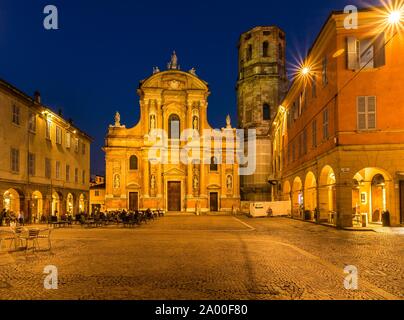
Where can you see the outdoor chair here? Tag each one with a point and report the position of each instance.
(32, 236)
(46, 234)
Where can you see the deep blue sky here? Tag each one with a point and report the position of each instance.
(91, 67)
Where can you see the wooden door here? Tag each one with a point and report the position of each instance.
(174, 196)
(214, 202)
(133, 201)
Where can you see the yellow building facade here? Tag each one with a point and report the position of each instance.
(45, 160)
(172, 159)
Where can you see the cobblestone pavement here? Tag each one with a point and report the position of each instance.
(209, 258)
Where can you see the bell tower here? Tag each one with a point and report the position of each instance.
(261, 85)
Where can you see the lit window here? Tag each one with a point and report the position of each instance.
(16, 114)
(31, 164)
(48, 129)
(58, 135)
(48, 168)
(366, 53)
(325, 124)
(325, 71)
(57, 170)
(15, 160)
(76, 145)
(67, 173)
(32, 122)
(68, 140)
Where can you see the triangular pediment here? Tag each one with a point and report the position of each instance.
(174, 172)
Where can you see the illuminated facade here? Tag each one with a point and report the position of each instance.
(338, 136)
(173, 114)
(45, 163)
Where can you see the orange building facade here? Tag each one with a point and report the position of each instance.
(338, 136)
(172, 160)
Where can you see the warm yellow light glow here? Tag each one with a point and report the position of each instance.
(305, 71)
(395, 17)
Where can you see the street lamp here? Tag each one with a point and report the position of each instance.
(394, 17)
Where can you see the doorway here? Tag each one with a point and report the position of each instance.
(402, 202)
(214, 202)
(174, 196)
(133, 201)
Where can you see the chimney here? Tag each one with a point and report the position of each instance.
(37, 97)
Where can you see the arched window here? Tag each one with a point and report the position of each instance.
(280, 48)
(265, 47)
(174, 127)
(266, 112)
(249, 52)
(213, 164)
(133, 163)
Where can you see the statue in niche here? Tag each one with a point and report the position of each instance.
(196, 183)
(152, 122)
(117, 181)
(229, 182)
(117, 119)
(153, 182)
(195, 124)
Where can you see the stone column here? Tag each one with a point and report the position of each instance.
(189, 180)
(146, 176)
(344, 204)
(159, 182)
(203, 174)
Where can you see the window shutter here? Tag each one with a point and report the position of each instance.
(352, 54)
(361, 113)
(371, 106)
(380, 51)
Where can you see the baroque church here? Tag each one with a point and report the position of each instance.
(172, 159)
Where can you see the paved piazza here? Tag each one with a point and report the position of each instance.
(209, 257)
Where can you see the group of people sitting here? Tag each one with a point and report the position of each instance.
(10, 218)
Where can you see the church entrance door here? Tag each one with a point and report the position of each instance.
(214, 202)
(133, 201)
(174, 196)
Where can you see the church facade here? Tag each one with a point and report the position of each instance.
(172, 159)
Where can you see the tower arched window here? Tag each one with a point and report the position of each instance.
(265, 48)
(266, 112)
(280, 49)
(174, 125)
(213, 164)
(249, 52)
(133, 163)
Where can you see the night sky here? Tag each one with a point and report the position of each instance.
(92, 65)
